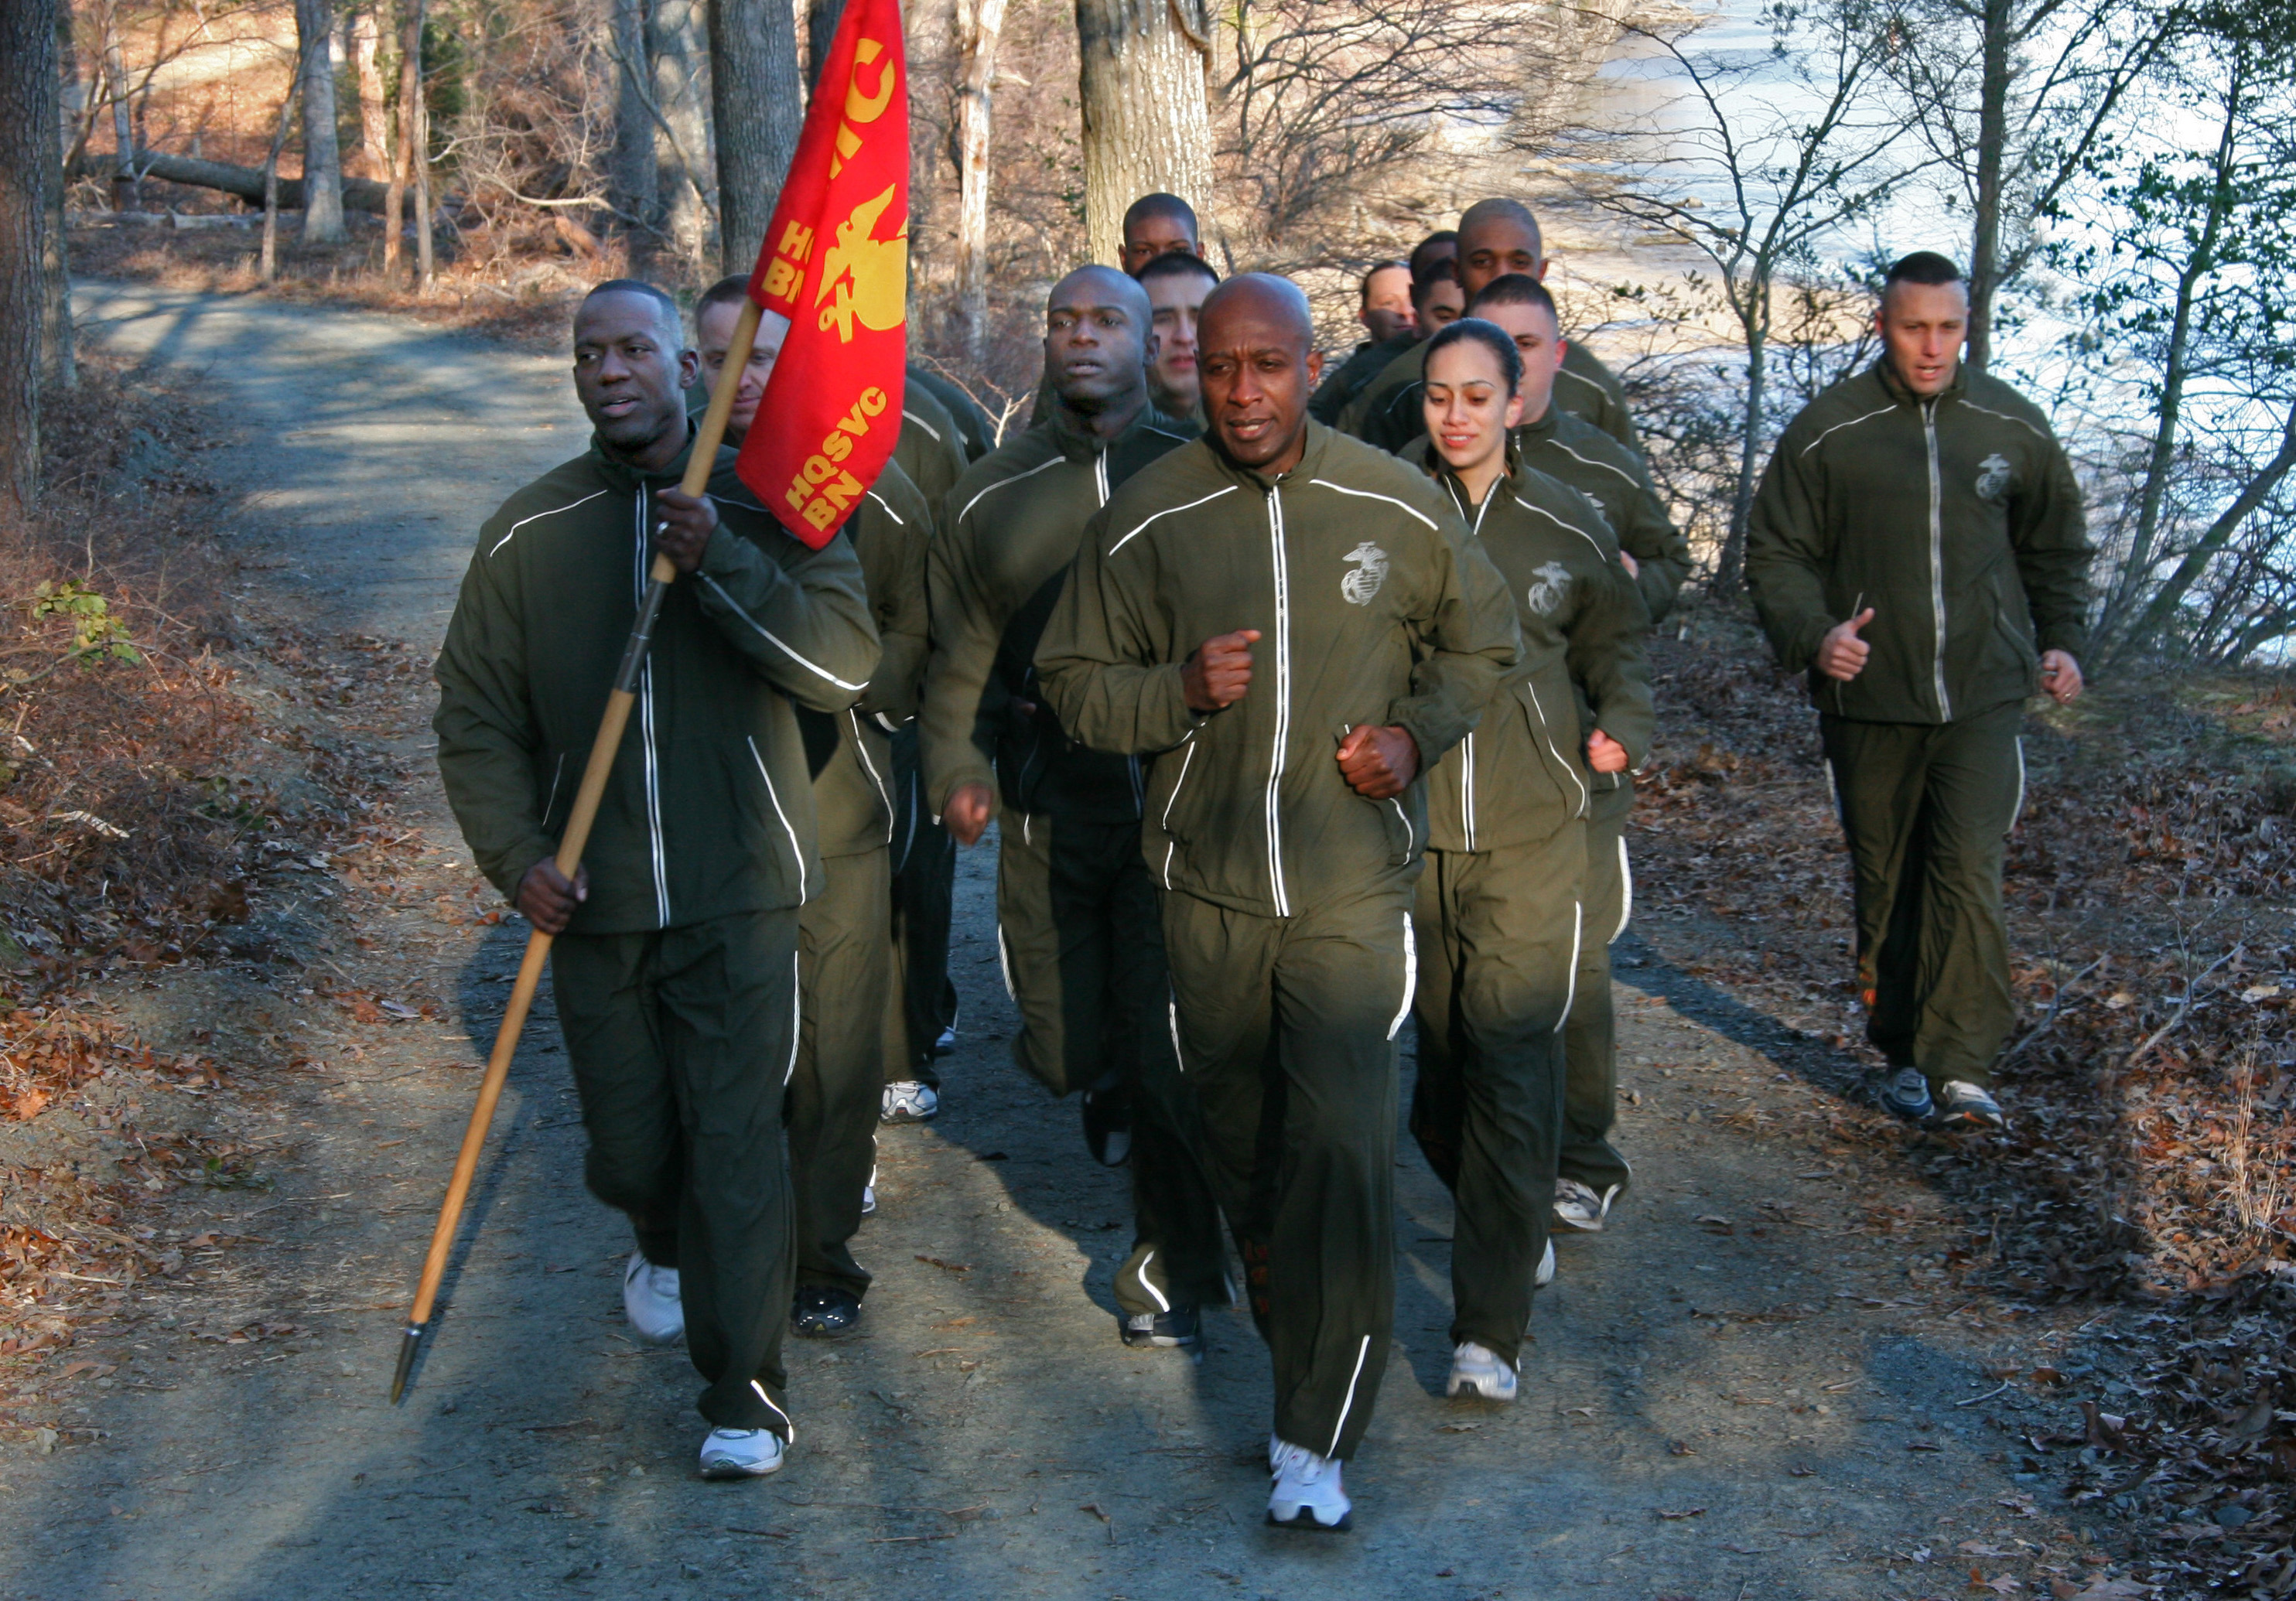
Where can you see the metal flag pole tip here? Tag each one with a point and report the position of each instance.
(407, 1347)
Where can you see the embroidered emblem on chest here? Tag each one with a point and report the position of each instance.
(1360, 583)
(1546, 595)
(1995, 478)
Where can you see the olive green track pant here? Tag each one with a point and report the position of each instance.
(1499, 934)
(922, 1002)
(845, 958)
(682, 1043)
(1927, 811)
(1287, 1029)
(1590, 1041)
(1080, 934)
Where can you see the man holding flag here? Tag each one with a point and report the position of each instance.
(676, 963)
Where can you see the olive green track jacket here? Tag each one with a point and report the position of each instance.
(850, 753)
(1374, 606)
(1521, 774)
(1564, 445)
(1389, 411)
(1956, 518)
(1015, 522)
(1345, 382)
(709, 809)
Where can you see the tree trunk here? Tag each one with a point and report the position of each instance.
(820, 18)
(1146, 127)
(630, 169)
(420, 104)
(402, 156)
(981, 23)
(322, 160)
(59, 362)
(1992, 142)
(373, 100)
(686, 166)
(28, 153)
(1730, 567)
(126, 192)
(760, 108)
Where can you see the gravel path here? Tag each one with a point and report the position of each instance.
(1750, 1386)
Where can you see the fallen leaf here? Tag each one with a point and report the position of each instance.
(27, 1105)
(1676, 1518)
(1095, 1508)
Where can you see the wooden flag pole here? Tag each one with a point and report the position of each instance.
(569, 851)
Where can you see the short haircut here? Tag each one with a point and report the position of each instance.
(1424, 254)
(1515, 289)
(1922, 267)
(1173, 262)
(1377, 268)
(1444, 270)
(1160, 204)
(725, 292)
(1501, 209)
(1490, 336)
(673, 320)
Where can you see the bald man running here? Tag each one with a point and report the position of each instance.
(1077, 921)
(1497, 237)
(1294, 627)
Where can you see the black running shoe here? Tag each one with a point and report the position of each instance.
(1108, 1122)
(824, 1312)
(1177, 1328)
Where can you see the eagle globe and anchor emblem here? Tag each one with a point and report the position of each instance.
(1544, 596)
(1361, 582)
(868, 277)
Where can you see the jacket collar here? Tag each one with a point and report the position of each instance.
(1534, 433)
(1422, 454)
(1078, 443)
(620, 475)
(1319, 438)
(1886, 372)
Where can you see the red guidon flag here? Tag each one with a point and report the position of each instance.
(833, 283)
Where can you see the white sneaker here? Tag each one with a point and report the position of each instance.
(650, 1298)
(1307, 1492)
(1477, 1370)
(1578, 1208)
(1545, 1276)
(908, 1102)
(742, 1454)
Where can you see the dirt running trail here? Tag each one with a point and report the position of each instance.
(1760, 1383)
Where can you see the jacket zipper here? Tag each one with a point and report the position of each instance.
(1937, 562)
(645, 723)
(1282, 573)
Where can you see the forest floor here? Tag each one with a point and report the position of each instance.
(1807, 1361)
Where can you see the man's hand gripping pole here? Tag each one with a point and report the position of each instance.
(569, 852)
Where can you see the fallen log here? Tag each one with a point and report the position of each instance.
(363, 194)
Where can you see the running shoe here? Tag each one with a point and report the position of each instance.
(742, 1454)
(1477, 1370)
(1968, 1106)
(906, 1101)
(649, 1300)
(1908, 1094)
(1578, 1208)
(1307, 1491)
(824, 1311)
(1175, 1329)
(1544, 1275)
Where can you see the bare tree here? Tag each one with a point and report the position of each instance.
(980, 24)
(373, 100)
(296, 81)
(322, 161)
(126, 192)
(412, 164)
(760, 106)
(632, 174)
(686, 154)
(821, 18)
(1775, 153)
(2015, 97)
(1147, 125)
(29, 138)
(59, 363)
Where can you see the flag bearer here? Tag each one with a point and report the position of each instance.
(675, 964)
(1294, 625)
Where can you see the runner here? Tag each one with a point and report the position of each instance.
(675, 964)
(1077, 924)
(1176, 284)
(1932, 506)
(1383, 307)
(1292, 625)
(1500, 913)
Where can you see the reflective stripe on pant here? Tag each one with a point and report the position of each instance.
(1287, 1031)
(1927, 810)
(1590, 1044)
(845, 948)
(1500, 933)
(681, 1043)
(1082, 937)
